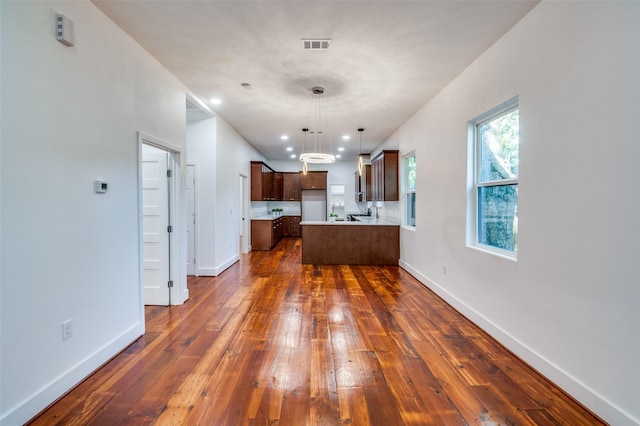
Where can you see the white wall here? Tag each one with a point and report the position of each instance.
(569, 305)
(201, 150)
(234, 157)
(71, 115)
(220, 155)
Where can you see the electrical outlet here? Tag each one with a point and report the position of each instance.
(444, 269)
(66, 330)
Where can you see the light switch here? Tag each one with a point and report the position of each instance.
(64, 30)
(100, 186)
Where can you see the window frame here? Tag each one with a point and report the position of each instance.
(407, 190)
(474, 135)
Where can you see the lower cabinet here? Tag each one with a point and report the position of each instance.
(295, 226)
(262, 234)
(291, 226)
(276, 231)
(286, 226)
(265, 234)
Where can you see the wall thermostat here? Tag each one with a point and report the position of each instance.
(100, 186)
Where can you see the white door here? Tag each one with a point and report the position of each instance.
(191, 219)
(155, 226)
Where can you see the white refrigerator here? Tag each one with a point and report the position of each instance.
(314, 204)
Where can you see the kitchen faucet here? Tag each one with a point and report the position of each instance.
(377, 216)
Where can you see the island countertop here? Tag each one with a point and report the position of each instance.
(366, 220)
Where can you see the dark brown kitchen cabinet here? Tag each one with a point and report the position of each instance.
(291, 226)
(276, 231)
(277, 186)
(262, 182)
(314, 180)
(291, 187)
(294, 223)
(363, 184)
(256, 181)
(265, 233)
(261, 234)
(384, 176)
(286, 226)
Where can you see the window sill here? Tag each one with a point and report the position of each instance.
(495, 252)
(409, 228)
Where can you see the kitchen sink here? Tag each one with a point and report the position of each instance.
(352, 217)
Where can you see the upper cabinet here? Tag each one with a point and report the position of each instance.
(384, 176)
(262, 182)
(363, 184)
(314, 180)
(269, 185)
(277, 186)
(291, 186)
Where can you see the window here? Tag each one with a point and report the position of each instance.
(496, 140)
(410, 182)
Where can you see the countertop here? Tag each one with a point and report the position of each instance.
(365, 220)
(271, 217)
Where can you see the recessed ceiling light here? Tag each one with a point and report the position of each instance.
(284, 137)
(341, 149)
(338, 156)
(289, 148)
(292, 156)
(216, 101)
(346, 137)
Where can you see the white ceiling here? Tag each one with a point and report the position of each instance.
(386, 60)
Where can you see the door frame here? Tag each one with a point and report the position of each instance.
(243, 208)
(177, 263)
(196, 248)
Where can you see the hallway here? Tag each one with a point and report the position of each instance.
(272, 341)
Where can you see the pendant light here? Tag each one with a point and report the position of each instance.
(360, 161)
(316, 155)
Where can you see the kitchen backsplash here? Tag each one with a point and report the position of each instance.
(389, 209)
(261, 208)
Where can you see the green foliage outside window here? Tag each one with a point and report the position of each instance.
(411, 190)
(498, 173)
(411, 172)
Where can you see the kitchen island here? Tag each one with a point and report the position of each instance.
(367, 241)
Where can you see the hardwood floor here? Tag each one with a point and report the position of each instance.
(271, 341)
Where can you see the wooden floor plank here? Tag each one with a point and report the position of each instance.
(271, 341)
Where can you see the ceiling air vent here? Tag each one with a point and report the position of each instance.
(316, 43)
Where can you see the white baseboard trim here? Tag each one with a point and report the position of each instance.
(574, 387)
(220, 269)
(206, 272)
(49, 393)
(214, 272)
